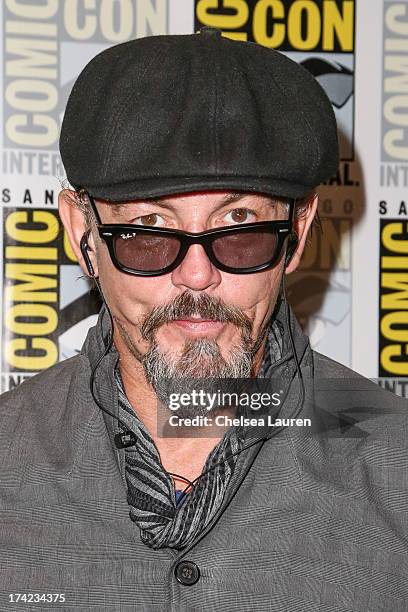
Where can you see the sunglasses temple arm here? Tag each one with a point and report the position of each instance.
(81, 193)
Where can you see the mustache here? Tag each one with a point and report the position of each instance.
(189, 304)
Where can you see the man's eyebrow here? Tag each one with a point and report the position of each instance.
(118, 208)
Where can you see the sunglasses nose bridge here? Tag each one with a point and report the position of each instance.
(192, 240)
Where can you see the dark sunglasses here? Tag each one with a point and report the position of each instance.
(152, 251)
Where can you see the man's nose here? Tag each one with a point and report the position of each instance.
(196, 271)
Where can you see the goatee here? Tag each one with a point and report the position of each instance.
(201, 358)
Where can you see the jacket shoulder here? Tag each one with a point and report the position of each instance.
(327, 368)
(44, 421)
(342, 390)
(45, 387)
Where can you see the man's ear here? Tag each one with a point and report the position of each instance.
(73, 219)
(301, 226)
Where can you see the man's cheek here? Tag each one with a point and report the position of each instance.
(251, 291)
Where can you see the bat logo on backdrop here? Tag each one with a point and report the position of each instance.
(337, 80)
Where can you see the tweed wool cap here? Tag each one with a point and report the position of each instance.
(173, 114)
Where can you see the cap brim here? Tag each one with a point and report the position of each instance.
(160, 187)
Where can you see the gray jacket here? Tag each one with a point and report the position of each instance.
(311, 522)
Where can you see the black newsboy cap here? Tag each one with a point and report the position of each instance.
(172, 114)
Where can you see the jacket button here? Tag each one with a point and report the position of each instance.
(187, 573)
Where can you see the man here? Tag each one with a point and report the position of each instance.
(194, 161)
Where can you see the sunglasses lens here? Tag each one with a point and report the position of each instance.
(146, 253)
(245, 249)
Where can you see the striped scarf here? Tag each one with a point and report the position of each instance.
(163, 521)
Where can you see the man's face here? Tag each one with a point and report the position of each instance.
(197, 320)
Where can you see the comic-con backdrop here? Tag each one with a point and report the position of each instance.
(351, 294)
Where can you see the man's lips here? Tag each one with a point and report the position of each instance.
(197, 324)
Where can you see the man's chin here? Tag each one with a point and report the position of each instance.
(200, 367)
(182, 351)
